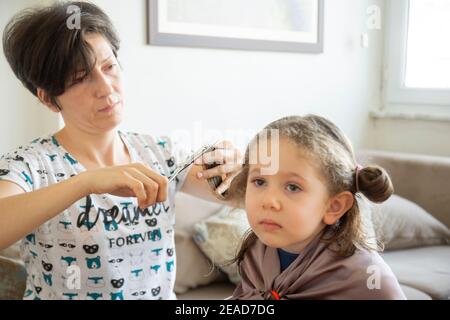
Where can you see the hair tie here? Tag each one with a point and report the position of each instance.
(358, 168)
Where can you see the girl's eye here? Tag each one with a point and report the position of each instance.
(112, 66)
(258, 182)
(293, 188)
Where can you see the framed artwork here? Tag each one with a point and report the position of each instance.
(269, 25)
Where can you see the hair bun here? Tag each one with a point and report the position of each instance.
(374, 182)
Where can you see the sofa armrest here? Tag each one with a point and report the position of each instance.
(419, 178)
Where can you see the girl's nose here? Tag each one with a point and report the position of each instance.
(271, 201)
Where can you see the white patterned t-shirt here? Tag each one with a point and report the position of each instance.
(102, 246)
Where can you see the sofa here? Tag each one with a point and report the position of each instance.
(414, 225)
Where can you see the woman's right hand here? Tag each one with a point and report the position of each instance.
(133, 180)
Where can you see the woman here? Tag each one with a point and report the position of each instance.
(92, 205)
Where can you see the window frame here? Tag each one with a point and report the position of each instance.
(396, 36)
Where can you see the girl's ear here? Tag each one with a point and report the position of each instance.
(45, 99)
(338, 205)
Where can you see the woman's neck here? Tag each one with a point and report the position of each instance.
(94, 150)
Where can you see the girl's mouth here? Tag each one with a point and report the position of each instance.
(269, 225)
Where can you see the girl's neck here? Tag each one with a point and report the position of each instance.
(298, 247)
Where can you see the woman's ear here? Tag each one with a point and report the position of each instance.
(45, 99)
(338, 205)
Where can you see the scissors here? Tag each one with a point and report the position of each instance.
(190, 160)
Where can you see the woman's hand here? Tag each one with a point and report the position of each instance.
(133, 180)
(230, 164)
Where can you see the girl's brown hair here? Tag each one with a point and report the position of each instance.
(330, 148)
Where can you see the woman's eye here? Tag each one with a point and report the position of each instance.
(112, 66)
(80, 76)
(79, 80)
(293, 188)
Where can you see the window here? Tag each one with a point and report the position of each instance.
(417, 57)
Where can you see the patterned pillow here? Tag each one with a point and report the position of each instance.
(220, 236)
(193, 268)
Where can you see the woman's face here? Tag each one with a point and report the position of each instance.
(95, 104)
(286, 209)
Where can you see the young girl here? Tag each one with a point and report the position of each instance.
(307, 239)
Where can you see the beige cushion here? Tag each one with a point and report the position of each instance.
(12, 274)
(426, 269)
(400, 224)
(421, 178)
(220, 236)
(12, 252)
(213, 291)
(414, 294)
(193, 267)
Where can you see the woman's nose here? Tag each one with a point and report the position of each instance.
(104, 86)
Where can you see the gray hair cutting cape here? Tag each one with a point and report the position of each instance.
(317, 273)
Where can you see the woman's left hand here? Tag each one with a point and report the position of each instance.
(229, 159)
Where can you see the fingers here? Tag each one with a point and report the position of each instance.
(225, 169)
(159, 179)
(137, 187)
(224, 144)
(225, 185)
(228, 158)
(150, 186)
(219, 156)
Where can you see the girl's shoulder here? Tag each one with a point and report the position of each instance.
(362, 261)
(370, 270)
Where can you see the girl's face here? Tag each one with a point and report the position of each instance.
(95, 103)
(286, 210)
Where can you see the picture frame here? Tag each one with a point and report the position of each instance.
(278, 25)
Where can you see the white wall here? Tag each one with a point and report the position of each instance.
(22, 116)
(410, 136)
(173, 87)
(169, 88)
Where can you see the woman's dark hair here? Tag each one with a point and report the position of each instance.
(45, 53)
(327, 146)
